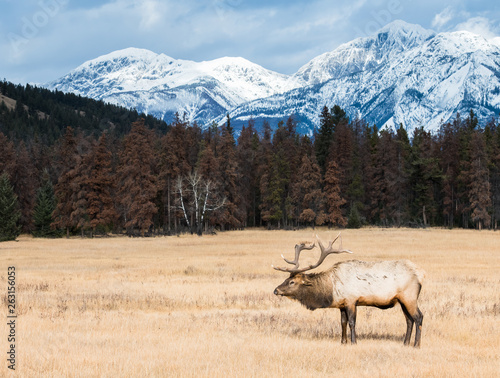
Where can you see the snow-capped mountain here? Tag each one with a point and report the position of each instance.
(402, 74)
(363, 54)
(161, 86)
(417, 83)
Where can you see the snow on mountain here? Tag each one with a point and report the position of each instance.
(418, 81)
(364, 53)
(402, 74)
(160, 85)
(495, 41)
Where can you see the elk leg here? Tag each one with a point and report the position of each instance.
(412, 311)
(343, 320)
(418, 318)
(351, 318)
(409, 324)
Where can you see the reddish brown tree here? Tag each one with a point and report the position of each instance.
(307, 195)
(137, 182)
(341, 150)
(101, 185)
(69, 160)
(334, 199)
(479, 184)
(7, 156)
(228, 216)
(24, 179)
(174, 163)
(391, 180)
(208, 165)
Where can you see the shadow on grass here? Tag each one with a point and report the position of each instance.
(379, 336)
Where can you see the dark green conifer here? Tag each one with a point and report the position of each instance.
(9, 211)
(44, 207)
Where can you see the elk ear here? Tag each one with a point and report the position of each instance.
(306, 281)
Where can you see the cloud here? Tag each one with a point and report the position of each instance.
(152, 12)
(443, 18)
(479, 25)
(281, 35)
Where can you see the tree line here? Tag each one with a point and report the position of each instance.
(29, 113)
(348, 174)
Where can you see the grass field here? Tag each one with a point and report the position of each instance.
(204, 306)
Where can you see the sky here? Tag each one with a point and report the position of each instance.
(42, 40)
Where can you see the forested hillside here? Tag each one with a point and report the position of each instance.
(32, 113)
(99, 169)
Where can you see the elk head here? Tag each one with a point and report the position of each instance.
(294, 285)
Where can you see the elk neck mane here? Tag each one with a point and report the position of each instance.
(319, 293)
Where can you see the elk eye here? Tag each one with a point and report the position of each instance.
(292, 283)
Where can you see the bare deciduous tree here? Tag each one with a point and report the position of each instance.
(197, 196)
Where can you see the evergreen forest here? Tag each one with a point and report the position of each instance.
(75, 166)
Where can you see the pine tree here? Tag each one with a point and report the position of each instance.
(137, 181)
(493, 141)
(324, 138)
(45, 205)
(246, 154)
(229, 128)
(209, 171)
(273, 187)
(9, 211)
(65, 187)
(471, 121)
(372, 174)
(448, 145)
(275, 183)
(307, 195)
(356, 189)
(264, 166)
(173, 164)
(464, 135)
(100, 182)
(228, 215)
(401, 184)
(25, 184)
(339, 115)
(208, 164)
(479, 184)
(354, 219)
(341, 150)
(393, 160)
(334, 199)
(7, 155)
(425, 177)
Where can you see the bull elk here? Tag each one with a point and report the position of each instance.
(353, 283)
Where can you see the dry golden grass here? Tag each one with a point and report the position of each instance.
(191, 306)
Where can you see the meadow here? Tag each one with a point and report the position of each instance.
(192, 306)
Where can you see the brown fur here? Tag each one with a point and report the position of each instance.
(353, 283)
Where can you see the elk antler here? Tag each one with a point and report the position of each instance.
(298, 248)
(330, 250)
(324, 252)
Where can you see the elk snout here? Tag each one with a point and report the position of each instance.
(278, 292)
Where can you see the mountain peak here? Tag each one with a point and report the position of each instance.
(364, 53)
(403, 73)
(130, 53)
(400, 26)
